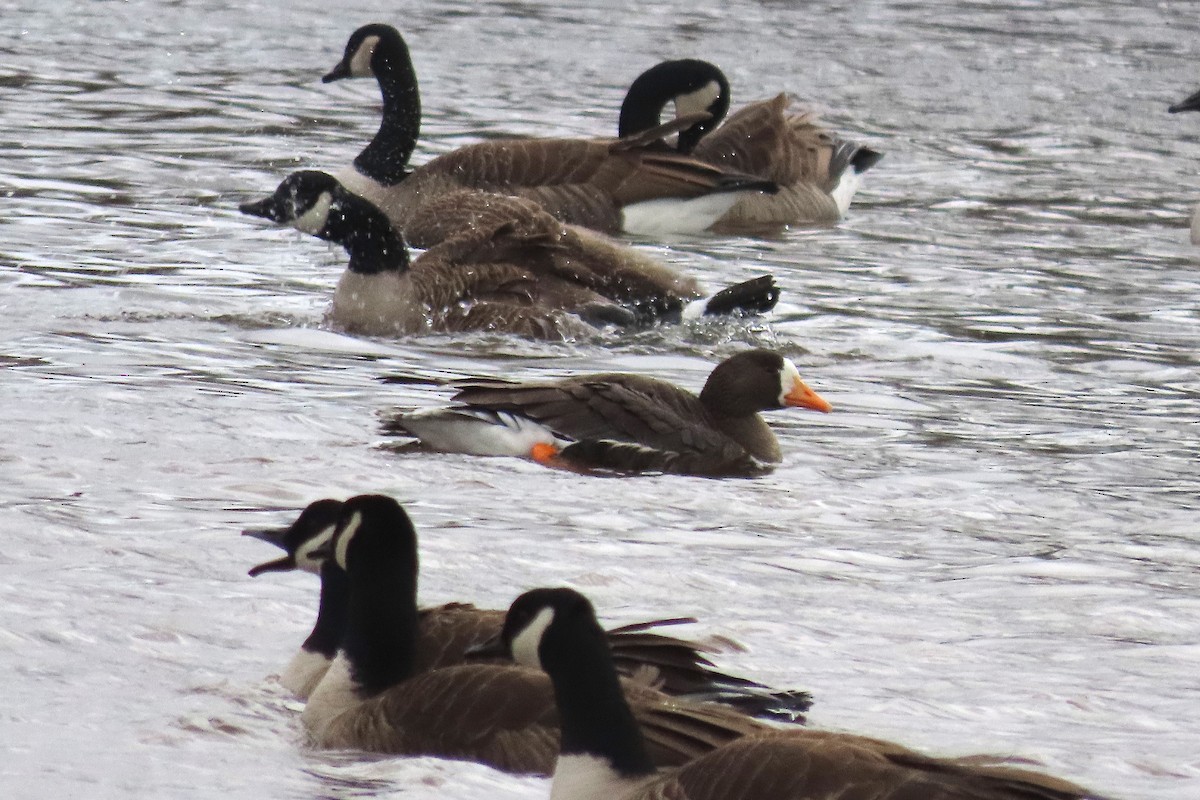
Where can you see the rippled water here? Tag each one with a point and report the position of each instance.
(990, 545)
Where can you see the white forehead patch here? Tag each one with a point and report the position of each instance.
(343, 541)
(313, 220)
(304, 558)
(360, 64)
(787, 379)
(698, 100)
(525, 644)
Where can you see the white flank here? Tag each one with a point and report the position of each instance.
(697, 101)
(360, 63)
(304, 672)
(304, 559)
(582, 777)
(314, 219)
(847, 185)
(696, 308)
(334, 695)
(525, 644)
(343, 539)
(788, 376)
(674, 215)
(480, 433)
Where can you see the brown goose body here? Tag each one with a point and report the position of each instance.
(479, 280)
(568, 253)
(503, 715)
(634, 423)
(374, 698)
(768, 138)
(608, 185)
(815, 765)
(445, 633)
(604, 756)
(816, 171)
(497, 263)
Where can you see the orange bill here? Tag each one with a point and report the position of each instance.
(804, 397)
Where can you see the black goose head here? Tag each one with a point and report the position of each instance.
(757, 380)
(542, 623)
(373, 536)
(556, 630)
(1190, 103)
(379, 50)
(316, 203)
(369, 52)
(693, 85)
(312, 529)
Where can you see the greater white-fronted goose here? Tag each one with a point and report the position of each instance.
(604, 755)
(373, 697)
(628, 423)
(1190, 103)
(605, 184)
(503, 265)
(446, 632)
(817, 171)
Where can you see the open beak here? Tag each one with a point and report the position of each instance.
(342, 70)
(803, 397)
(285, 564)
(271, 536)
(1190, 104)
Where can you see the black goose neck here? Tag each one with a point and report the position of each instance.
(595, 716)
(327, 632)
(373, 244)
(642, 109)
(385, 159)
(664, 83)
(382, 622)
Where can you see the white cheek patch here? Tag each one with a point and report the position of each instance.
(525, 644)
(787, 379)
(343, 540)
(697, 101)
(304, 559)
(360, 64)
(313, 220)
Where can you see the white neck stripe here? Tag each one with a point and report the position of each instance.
(313, 220)
(525, 644)
(343, 540)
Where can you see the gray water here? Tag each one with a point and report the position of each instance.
(991, 545)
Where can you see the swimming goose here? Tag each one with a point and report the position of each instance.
(501, 264)
(817, 171)
(374, 696)
(607, 185)
(1190, 103)
(447, 631)
(628, 423)
(604, 754)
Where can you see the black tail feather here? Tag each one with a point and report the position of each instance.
(755, 296)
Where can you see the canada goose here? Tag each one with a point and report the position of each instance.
(604, 756)
(817, 171)
(447, 631)
(502, 264)
(373, 697)
(623, 422)
(608, 185)
(1190, 103)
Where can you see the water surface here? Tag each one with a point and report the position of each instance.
(989, 546)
